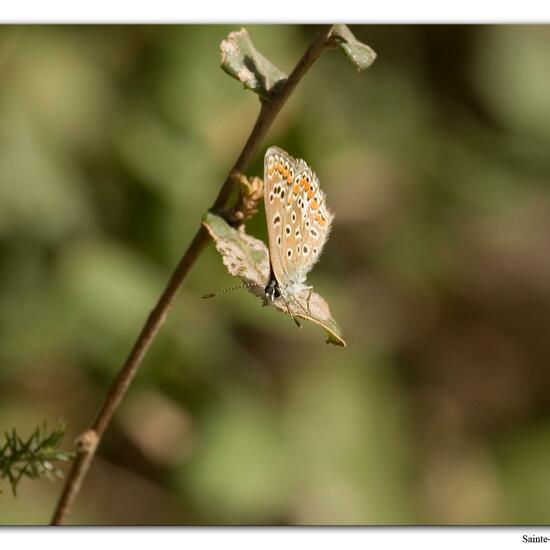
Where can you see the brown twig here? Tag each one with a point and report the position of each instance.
(90, 439)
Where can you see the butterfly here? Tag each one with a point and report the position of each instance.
(298, 224)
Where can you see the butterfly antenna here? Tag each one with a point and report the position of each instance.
(214, 294)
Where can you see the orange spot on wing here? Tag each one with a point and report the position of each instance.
(314, 205)
(296, 188)
(289, 180)
(285, 174)
(310, 194)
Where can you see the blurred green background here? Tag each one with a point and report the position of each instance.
(113, 142)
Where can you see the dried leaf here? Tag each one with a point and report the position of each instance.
(251, 193)
(241, 60)
(244, 256)
(361, 55)
(248, 259)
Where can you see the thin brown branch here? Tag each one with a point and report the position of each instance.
(91, 438)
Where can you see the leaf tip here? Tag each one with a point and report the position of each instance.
(360, 54)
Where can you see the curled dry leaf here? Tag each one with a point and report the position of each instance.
(250, 193)
(241, 60)
(361, 55)
(248, 259)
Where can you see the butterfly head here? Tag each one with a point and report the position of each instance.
(272, 290)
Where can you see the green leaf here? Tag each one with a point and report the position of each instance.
(248, 259)
(361, 55)
(241, 60)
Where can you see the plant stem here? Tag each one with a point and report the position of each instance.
(89, 440)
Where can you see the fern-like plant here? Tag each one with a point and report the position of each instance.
(32, 457)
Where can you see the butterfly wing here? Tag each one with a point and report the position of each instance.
(298, 219)
(279, 172)
(313, 223)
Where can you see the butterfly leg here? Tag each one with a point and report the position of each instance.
(290, 312)
(309, 298)
(307, 311)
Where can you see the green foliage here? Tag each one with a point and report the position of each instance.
(33, 457)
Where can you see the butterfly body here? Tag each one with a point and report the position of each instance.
(298, 222)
